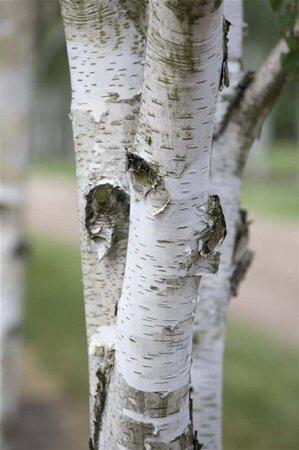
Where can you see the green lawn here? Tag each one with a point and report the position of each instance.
(261, 375)
(276, 194)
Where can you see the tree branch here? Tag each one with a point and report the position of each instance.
(248, 112)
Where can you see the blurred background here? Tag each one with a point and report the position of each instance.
(261, 365)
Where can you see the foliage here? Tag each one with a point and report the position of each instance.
(287, 12)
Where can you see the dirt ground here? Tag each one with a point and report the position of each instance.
(268, 300)
(47, 419)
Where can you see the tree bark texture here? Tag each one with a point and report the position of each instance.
(241, 114)
(215, 290)
(105, 43)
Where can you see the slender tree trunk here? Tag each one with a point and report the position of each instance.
(172, 233)
(242, 111)
(215, 291)
(16, 41)
(105, 43)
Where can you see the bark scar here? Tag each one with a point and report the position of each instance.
(106, 219)
(148, 183)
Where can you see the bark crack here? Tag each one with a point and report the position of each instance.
(242, 256)
(103, 375)
(224, 77)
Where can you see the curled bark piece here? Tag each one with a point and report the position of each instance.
(205, 260)
(216, 224)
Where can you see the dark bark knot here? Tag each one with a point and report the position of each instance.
(106, 219)
(242, 256)
(147, 183)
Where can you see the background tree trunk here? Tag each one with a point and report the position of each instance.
(16, 41)
(239, 125)
(215, 290)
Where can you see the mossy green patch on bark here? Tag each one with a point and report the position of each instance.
(135, 10)
(191, 10)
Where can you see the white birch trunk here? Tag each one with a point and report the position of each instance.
(172, 233)
(16, 42)
(215, 291)
(237, 129)
(105, 43)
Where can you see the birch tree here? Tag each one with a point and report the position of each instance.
(145, 87)
(16, 43)
(242, 110)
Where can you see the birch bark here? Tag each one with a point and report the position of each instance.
(215, 290)
(173, 231)
(16, 44)
(246, 107)
(105, 43)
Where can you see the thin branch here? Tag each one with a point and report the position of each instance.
(247, 115)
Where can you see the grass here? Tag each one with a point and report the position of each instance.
(261, 375)
(276, 194)
(273, 199)
(54, 315)
(261, 402)
(54, 167)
